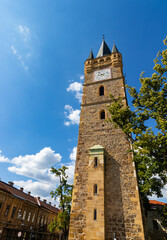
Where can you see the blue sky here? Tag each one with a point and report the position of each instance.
(43, 46)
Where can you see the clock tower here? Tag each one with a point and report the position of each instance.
(105, 203)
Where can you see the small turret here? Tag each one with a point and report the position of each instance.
(91, 56)
(116, 57)
(114, 49)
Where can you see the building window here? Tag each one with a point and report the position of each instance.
(7, 210)
(33, 218)
(102, 114)
(42, 221)
(29, 215)
(95, 162)
(13, 212)
(24, 215)
(155, 225)
(95, 214)
(95, 189)
(39, 220)
(101, 91)
(19, 214)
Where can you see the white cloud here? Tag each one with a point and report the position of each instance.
(36, 166)
(76, 87)
(164, 192)
(73, 154)
(22, 47)
(38, 189)
(66, 123)
(81, 77)
(19, 57)
(14, 50)
(3, 158)
(25, 32)
(70, 173)
(72, 115)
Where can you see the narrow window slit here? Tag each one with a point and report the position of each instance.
(95, 214)
(95, 162)
(95, 189)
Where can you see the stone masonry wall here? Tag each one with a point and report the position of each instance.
(122, 209)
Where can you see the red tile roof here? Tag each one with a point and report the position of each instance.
(27, 197)
(48, 206)
(154, 202)
(16, 192)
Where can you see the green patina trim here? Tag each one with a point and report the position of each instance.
(96, 149)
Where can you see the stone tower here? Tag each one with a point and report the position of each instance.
(105, 203)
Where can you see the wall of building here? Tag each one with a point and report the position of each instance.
(122, 211)
(16, 212)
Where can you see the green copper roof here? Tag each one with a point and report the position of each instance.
(104, 49)
(96, 147)
(91, 55)
(114, 49)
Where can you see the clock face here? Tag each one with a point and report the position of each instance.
(102, 74)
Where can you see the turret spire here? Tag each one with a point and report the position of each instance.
(104, 49)
(114, 49)
(91, 56)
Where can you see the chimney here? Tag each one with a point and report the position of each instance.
(44, 200)
(54, 205)
(21, 189)
(29, 193)
(11, 183)
(38, 198)
(49, 203)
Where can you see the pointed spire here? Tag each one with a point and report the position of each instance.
(114, 49)
(91, 55)
(104, 49)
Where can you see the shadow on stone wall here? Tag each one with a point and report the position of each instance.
(114, 217)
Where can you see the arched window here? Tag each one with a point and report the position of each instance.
(95, 214)
(102, 114)
(95, 161)
(95, 189)
(101, 91)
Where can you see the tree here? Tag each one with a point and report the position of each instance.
(149, 144)
(163, 214)
(64, 193)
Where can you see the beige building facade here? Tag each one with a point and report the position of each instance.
(105, 202)
(21, 210)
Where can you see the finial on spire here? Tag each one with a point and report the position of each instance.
(103, 37)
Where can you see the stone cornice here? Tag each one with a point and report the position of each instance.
(106, 80)
(100, 102)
